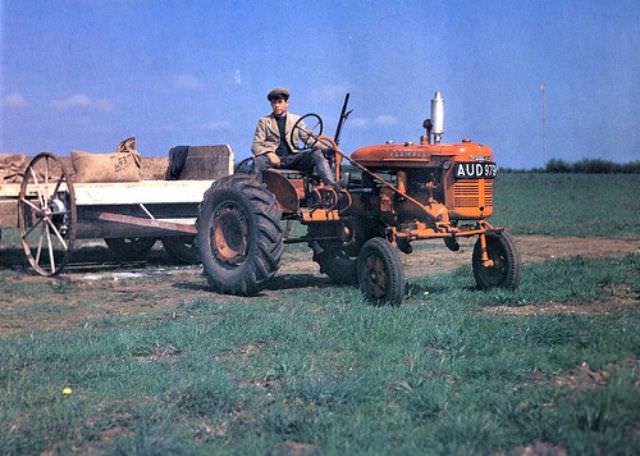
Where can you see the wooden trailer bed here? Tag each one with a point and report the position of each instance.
(51, 212)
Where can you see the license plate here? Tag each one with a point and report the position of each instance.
(474, 170)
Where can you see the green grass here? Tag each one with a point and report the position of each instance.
(439, 375)
(435, 376)
(568, 204)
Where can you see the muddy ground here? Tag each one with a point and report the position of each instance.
(95, 290)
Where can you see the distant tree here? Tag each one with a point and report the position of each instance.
(555, 165)
(591, 165)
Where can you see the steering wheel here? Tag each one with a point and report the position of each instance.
(308, 135)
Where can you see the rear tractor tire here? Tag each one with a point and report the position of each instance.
(380, 273)
(239, 238)
(505, 272)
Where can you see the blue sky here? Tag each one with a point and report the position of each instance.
(86, 74)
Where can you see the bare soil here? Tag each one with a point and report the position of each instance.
(582, 378)
(536, 448)
(78, 296)
(578, 308)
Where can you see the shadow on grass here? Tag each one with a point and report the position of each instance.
(13, 258)
(281, 282)
(90, 259)
(193, 286)
(294, 281)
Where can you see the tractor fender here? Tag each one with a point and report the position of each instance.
(283, 190)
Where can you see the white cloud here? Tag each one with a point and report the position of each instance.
(14, 100)
(330, 92)
(384, 120)
(237, 77)
(102, 104)
(217, 125)
(81, 101)
(185, 82)
(359, 122)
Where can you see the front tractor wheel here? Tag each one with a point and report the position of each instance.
(239, 238)
(380, 273)
(505, 269)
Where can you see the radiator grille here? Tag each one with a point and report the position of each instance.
(469, 194)
(488, 193)
(466, 193)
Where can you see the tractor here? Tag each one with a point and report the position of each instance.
(391, 196)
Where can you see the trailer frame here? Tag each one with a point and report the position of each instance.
(53, 211)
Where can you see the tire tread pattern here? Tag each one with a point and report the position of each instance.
(393, 267)
(512, 271)
(265, 243)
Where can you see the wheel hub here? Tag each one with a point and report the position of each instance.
(494, 268)
(375, 276)
(230, 233)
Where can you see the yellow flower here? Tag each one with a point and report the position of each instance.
(67, 391)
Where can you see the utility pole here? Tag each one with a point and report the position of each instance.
(544, 127)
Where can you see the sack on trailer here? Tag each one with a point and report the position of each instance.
(121, 166)
(11, 167)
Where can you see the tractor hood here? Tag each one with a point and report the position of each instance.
(420, 155)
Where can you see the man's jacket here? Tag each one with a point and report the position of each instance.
(267, 136)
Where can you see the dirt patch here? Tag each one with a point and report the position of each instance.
(551, 308)
(205, 429)
(42, 304)
(582, 378)
(82, 295)
(105, 437)
(432, 257)
(165, 352)
(264, 383)
(436, 258)
(246, 351)
(536, 448)
(293, 448)
(249, 349)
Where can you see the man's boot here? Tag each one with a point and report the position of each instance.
(324, 171)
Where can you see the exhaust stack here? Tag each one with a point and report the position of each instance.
(437, 116)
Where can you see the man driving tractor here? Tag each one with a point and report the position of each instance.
(275, 147)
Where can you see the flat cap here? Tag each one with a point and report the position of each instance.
(278, 92)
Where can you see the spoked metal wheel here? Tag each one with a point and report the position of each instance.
(47, 216)
(380, 273)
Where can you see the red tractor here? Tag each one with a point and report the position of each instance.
(392, 195)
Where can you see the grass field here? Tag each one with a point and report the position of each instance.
(569, 204)
(552, 368)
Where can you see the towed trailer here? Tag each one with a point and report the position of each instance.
(53, 212)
